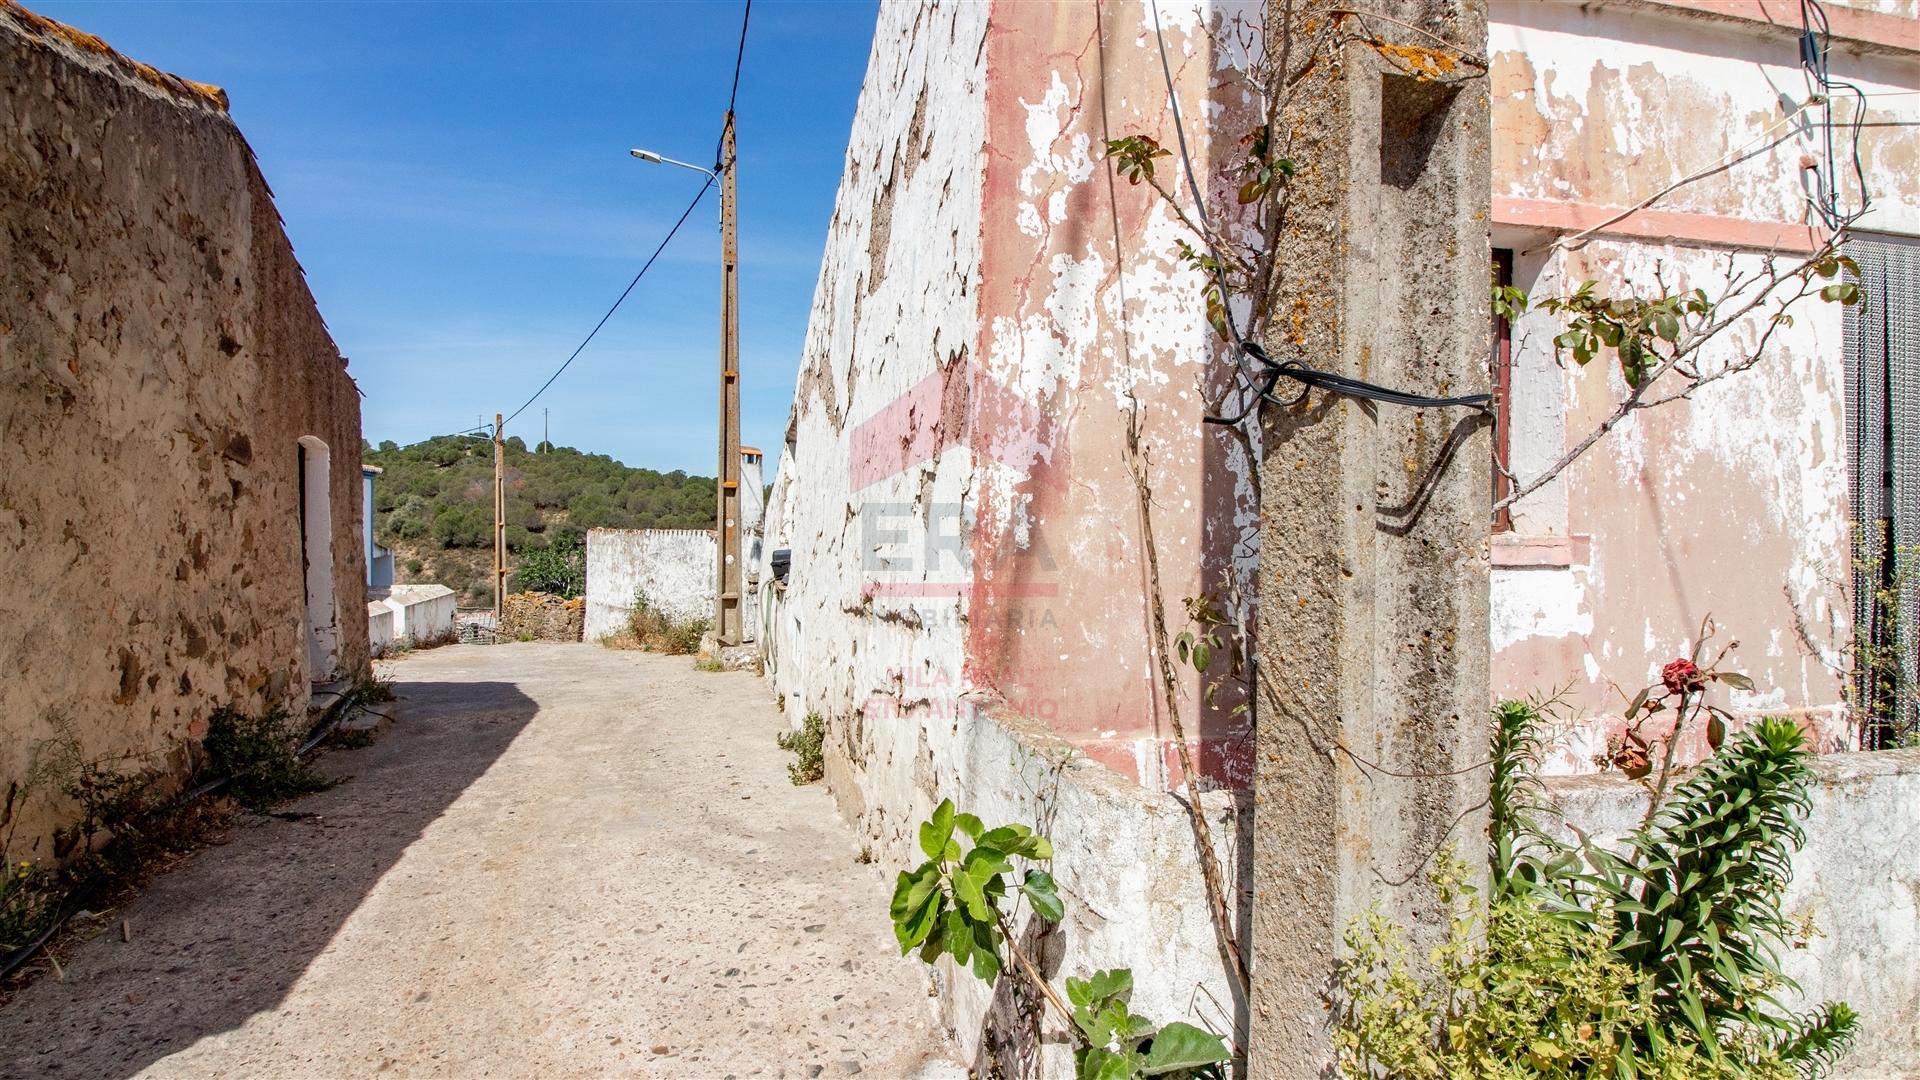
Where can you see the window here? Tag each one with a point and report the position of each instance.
(1502, 361)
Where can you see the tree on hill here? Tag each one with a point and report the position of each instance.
(433, 505)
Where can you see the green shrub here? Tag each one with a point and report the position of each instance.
(951, 905)
(654, 630)
(1659, 961)
(559, 569)
(29, 900)
(805, 744)
(259, 756)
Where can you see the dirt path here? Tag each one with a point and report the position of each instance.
(562, 861)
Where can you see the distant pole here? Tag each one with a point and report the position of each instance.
(546, 430)
(499, 518)
(727, 626)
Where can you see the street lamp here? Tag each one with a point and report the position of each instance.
(728, 622)
(648, 155)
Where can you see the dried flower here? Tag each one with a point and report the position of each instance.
(1683, 677)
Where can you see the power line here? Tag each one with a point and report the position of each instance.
(733, 93)
(1273, 370)
(739, 55)
(688, 212)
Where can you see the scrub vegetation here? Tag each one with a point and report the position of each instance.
(433, 504)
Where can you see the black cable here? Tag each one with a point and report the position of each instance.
(684, 214)
(1309, 378)
(1816, 43)
(739, 57)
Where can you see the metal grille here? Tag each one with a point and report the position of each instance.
(1883, 435)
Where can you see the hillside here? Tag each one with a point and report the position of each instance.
(433, 504)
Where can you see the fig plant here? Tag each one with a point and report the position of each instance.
(957, 904)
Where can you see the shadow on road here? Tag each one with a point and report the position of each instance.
(226, 934)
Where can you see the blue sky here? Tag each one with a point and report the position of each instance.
(456, 183)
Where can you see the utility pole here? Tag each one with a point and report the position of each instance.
(499, 519)
(546, 431)
(1374, 536)
(726, 595)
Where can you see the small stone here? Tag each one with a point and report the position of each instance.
(815, 928)
(660, 1048)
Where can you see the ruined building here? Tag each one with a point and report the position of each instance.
(180, 499)
(1000, 317)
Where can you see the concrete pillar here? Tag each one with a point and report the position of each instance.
(1372, 631)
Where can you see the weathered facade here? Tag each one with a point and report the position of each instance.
(1733, 505)
(966, 602)
(180, 499)
(999, 318)
(672, 568)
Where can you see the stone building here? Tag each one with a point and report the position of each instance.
(179, 438)
(999, 317)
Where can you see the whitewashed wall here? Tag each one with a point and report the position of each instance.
(673, 567)
(1858, 878)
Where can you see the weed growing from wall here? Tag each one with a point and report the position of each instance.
(958, 904)
(808, 765)
(259, 755)
(654, 630)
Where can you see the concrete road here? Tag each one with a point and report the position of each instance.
(562, 861)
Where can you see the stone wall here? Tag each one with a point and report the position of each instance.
(674, 568)
(535, 616)
(1858, 878)
(163, 362)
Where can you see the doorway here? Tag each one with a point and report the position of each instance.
(316, 558)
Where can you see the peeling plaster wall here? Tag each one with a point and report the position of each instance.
(163, 357)
(966, 598)
(1732, 505)
(673, 567)
(1858, 878)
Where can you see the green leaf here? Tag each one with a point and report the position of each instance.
(986, 952)
(916, 905)
(1098, 1064)
(1079, 991)
(1041, 892)
(1182, 1046)
(1735, 679)
(1004, 837)
(1114, 983)
(967, 891)
(935, 833)
(968, 824)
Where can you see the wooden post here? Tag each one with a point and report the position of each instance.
(499, 519)
(727, 626)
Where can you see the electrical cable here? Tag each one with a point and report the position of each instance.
(1309, 378)
(739, 57)
(733, 93)
(684, 214)
(1816, 42)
